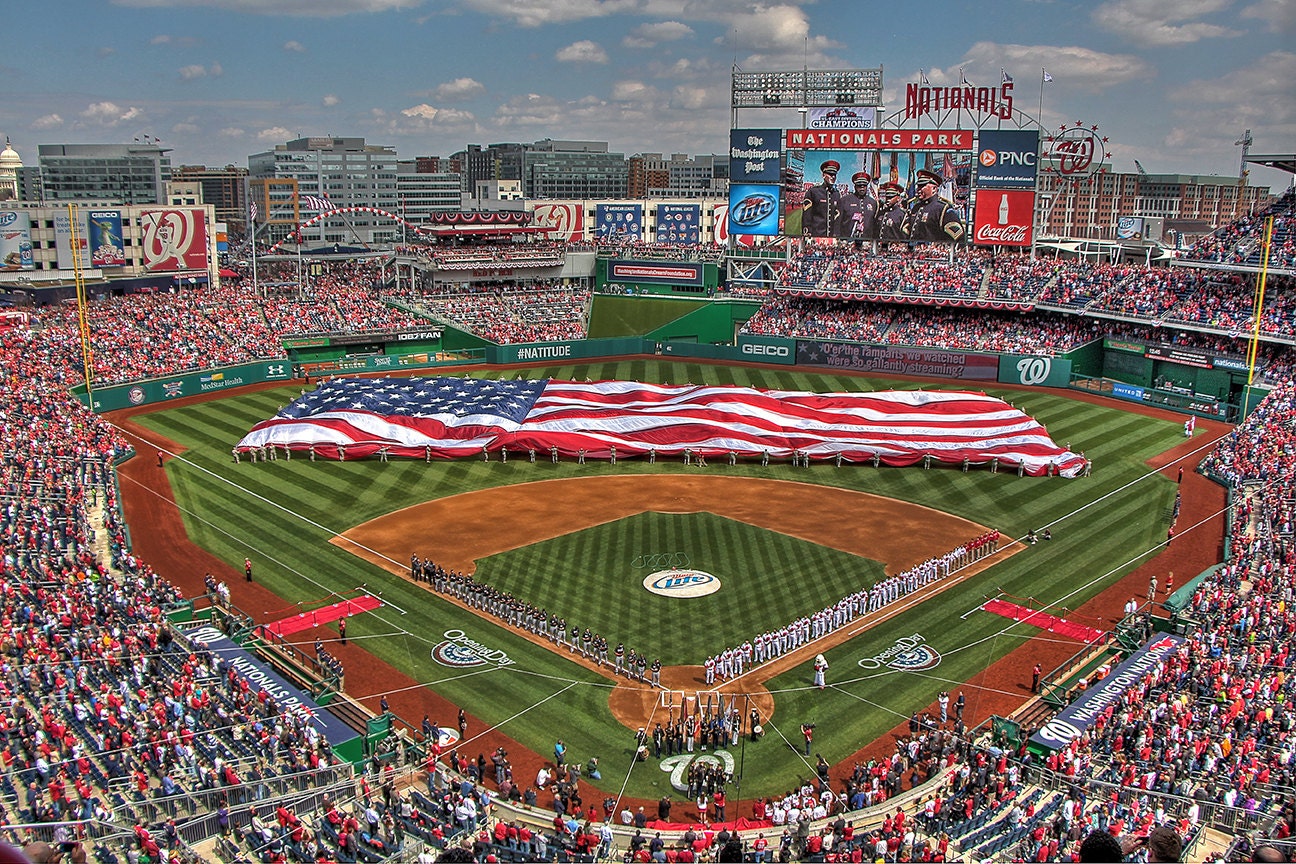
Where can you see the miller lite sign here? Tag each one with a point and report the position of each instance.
(1003, 217)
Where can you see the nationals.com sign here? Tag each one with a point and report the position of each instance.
(1003, 217)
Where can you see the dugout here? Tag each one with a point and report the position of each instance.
(1171, 376)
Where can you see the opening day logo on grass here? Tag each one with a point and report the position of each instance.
(908, 654)
(460, 652)
(681, 583)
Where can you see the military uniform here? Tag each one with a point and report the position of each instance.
(859, 210)
(893, 217)
(821, 212)
(933, 219)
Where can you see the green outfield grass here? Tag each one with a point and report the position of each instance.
(282, 515)
(634, 316)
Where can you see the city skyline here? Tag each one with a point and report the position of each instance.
(1171, 85)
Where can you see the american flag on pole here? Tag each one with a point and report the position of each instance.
(317, 202)
(456, 417)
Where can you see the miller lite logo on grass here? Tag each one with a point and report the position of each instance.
(677, 582)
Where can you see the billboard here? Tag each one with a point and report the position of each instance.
(566, 222)
(1007, 159)
(879, 139)
(816, 205)
(618, 222)
(720, 228)
(655, 272)
(63, 240)
(1130, 228)
(104, 237)
(896, 360)
(15, 241)
(679, 223)
(841, 118)
(754, 209)
(1004, 217)
(754, 155)
(174, 240)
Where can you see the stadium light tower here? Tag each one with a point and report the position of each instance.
(1245, 143)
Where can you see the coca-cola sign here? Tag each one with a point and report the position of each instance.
(1003, 217)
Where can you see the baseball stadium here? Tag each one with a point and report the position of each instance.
(584, 545)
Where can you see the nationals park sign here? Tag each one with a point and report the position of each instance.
(880, 139)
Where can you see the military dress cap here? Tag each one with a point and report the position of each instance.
(832, 166)
(891, 189)
(925, 176)
(860, 177)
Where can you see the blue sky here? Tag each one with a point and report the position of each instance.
(1172, 83)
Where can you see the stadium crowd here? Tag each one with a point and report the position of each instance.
(112, 721)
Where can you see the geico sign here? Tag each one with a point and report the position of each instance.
(767, 350)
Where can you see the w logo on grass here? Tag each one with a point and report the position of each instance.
(451, 654)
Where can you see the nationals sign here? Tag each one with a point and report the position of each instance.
(880, 139)
(1004, 217)
(174, 240)
(565, 221)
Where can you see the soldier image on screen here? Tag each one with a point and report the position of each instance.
(859, 209)
(821, 211)
(932, 218)
(893, 216)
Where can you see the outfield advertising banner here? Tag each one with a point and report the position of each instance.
(63, 241)
(754, 155)
(1075, 719)
(174, 240)
(754, 209)
(655, 272)
(898, 361)
(177, 387)
(619, 222)
(1007, 159)
(767, 349)
(535, 352)
(679, 223)
(1004, 217)
(15, 241)
(104, 235)
(1034, 371)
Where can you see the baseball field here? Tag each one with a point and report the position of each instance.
(579, 541)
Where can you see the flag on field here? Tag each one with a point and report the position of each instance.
(317, 202)
(1047, 77)
(457, 417)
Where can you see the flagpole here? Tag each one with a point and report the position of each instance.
(1039, 116)
(252, 227)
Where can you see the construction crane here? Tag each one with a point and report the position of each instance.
(1245, 143)
(1142, 172)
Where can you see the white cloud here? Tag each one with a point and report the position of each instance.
(294, 8)
(231, 132)
(275, 134)
(185, 128)
(649, 35)
(583, 51)
(633, 91)
(331, 101)
(110, 113)
(535, 13)
(294, 46)
(47, 121)
(189, 73)
(1156, 22)
(427, 113)
(1280, 14)
(1068, 64)
(459, 88)
(160, 39)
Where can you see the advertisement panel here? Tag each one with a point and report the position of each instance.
(1004, 217)
(898, 361)
(841, 118)
(104, 237)
(566, 222)
(884, 195)
(767, 349)
(1072, 721)
(618, 222)
(720, 228)
(754, 209)
(1008, 159)
(174, 240)
(754, 155)
(1175, 354)
(63, 240)
(655, 272)
(1129, 228)
(679, 223)
(1034, 371)
(15, 241)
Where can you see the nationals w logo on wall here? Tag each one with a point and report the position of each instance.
(174, 240)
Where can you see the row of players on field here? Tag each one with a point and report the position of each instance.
(730, 662)
(770, 645)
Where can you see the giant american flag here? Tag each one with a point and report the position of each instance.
(451, 417)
